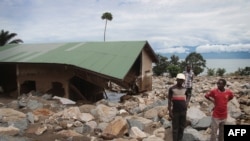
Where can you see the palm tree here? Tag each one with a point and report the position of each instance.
(6, 38)
(106, 16)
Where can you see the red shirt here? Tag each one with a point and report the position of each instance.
(220, 101)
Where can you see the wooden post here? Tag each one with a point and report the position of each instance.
(66, 88)
(18, 81)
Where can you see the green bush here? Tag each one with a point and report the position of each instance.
(220, 71)
(243, 72)
(173, 70)
(210, 71)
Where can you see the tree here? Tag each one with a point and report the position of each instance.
(174, 67)
(106, 16)
(173, 70)
(161, 66)
(196, 61)
(7, 38)
(174, 60)
(183, 65)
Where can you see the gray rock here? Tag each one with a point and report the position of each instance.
(201, 124)
(16, 138)
(135, 123)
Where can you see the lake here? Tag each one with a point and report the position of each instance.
(230, 65)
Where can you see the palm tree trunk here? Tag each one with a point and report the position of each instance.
(105, 29)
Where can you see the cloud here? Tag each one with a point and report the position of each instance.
(223, 48)
(173, 50)
(169, 25)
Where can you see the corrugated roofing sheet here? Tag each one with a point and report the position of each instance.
(109, 58)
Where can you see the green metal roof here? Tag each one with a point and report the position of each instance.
(109, 58)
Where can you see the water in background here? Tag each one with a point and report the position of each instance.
(230, 65)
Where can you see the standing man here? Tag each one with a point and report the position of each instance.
(189, 79)
(220, 97)
(178, 100)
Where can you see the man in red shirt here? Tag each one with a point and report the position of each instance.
(220, 97)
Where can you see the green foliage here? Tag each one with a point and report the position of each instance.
(243, 72)
(220, 71)
(175, 66)
(173, 70)
(210, 71)
(196, 61)
(183, 66)
(7, 38)
(107, 16)
(161, 66)
(174, 60)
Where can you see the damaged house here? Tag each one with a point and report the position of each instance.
(80, 70)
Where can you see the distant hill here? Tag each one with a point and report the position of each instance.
(226, 55)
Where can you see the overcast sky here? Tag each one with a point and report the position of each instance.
(170, 26)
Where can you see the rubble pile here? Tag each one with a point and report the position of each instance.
(142, 117)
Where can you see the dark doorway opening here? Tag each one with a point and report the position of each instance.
(28, 86)
(57, 89)
(8, 78)
(83, 90)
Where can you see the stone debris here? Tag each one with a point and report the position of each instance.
(142, 117)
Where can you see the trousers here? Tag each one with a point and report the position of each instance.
(215, 125)
(178, 125)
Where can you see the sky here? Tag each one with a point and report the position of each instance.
(169, 26)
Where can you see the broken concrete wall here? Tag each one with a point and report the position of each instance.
(56, 79)
(45, 77)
